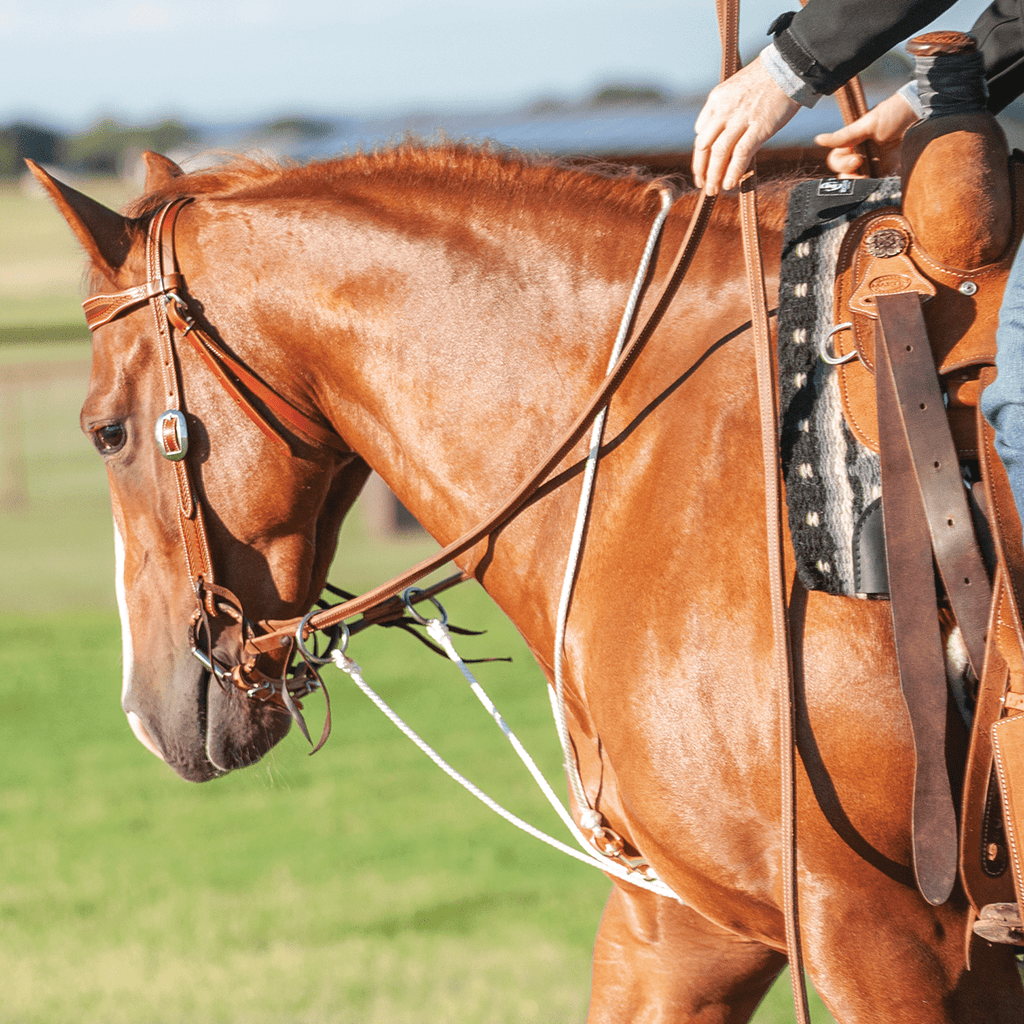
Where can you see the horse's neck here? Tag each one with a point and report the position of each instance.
(460, 355)
(452, 352)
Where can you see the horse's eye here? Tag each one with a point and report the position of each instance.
(109, 438)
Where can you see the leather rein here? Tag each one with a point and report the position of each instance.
(164, 292)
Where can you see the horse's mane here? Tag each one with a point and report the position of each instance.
(507, 173)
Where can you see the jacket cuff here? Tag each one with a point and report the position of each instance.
(786, 78)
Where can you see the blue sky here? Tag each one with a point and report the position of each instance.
(65, 62)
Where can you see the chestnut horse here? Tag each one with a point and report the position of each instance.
(447, 312)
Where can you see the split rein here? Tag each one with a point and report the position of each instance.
(288, 643)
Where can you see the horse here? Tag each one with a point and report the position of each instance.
(445, 311)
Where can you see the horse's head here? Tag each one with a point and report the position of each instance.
(271, 516)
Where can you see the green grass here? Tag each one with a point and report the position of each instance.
(358, 886)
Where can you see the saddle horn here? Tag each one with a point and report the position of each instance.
(956, 175)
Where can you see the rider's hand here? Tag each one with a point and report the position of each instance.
(739, 116)
(884, 125)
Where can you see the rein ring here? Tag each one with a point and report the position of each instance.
(337, 642)
(409, 595)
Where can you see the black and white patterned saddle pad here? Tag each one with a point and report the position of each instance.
(830, 476)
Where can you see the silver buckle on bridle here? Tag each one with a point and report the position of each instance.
(171, 434)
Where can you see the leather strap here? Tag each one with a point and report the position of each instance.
(984, 855)
(1008, 751)
(936, 468)
(230, 372)
(641, 335)
(774, 536)
(191, 526)
(728, 26)
(901, 347)
(101, 309)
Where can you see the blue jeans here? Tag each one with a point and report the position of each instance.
(1003, 401)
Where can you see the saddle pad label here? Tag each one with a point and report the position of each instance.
(835, 186)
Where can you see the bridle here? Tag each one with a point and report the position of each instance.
(163, 291)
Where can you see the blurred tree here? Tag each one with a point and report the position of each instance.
(19, 140)
(103, 148)
(302, 127)
(635, 95)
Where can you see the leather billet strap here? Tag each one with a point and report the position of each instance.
(923, 428)
(912, 594)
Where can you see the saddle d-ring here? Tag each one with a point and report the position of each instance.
(409, 594)
(338, 641)
(823, 347)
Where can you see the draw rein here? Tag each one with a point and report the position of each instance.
(163, 292)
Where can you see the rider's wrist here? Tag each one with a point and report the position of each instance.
(909, 93)
(786, 78)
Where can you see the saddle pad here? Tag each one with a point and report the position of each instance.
(831, 478)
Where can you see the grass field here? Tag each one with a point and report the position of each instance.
(358, 886)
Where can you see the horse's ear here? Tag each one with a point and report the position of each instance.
(159, 170)
(104, 234)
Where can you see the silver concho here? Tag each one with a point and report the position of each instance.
(886, 242)
(172, 435)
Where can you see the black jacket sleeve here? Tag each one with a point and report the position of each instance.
(1000, 35)
(830, 41)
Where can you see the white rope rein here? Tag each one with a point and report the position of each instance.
(439, 632)
(586, 493)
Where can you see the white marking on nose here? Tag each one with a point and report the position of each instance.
(142, 735)
(127, 651)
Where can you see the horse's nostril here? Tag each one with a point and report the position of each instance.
(142, 735)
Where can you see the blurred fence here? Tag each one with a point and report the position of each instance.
(25, 389)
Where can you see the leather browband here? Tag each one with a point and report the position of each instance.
(101, 309)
